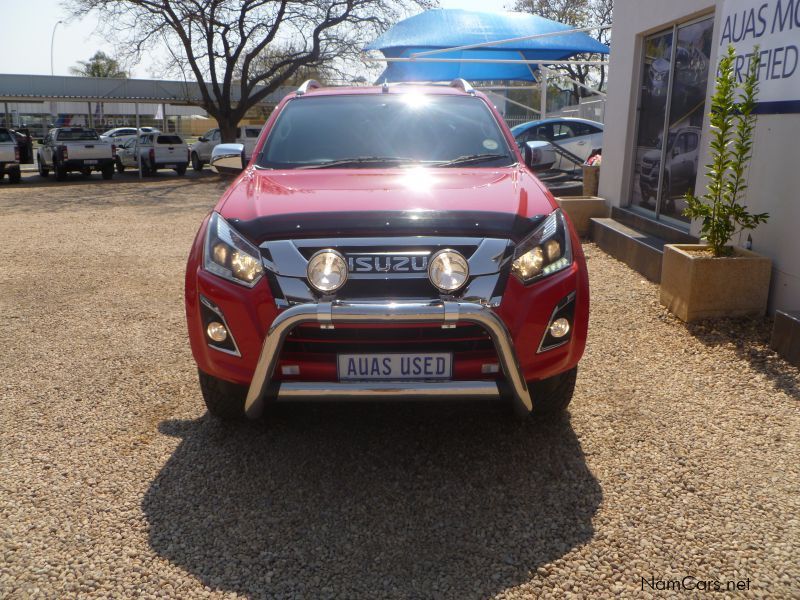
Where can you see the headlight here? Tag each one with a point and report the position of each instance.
(546, 251)
(229, 255)
(448, 270)
(327, 271)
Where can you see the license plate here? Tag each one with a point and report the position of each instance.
(90, 162)
(437, 365)
(170, 166)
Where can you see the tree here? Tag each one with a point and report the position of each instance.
(248, 46)
(99, 65)
(732, 131)
(578, 13)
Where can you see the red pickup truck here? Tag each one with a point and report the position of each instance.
(385, 243)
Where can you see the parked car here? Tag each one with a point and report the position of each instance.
(67, 149)
(120, 135)
(157, 151)
(419, 258)
(680, 172)
(201, 150)
(9, 156)
(580, 137)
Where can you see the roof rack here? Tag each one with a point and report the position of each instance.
(463, 85)
(310, 84)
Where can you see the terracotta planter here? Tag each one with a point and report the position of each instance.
(696, 286)
(581, 210)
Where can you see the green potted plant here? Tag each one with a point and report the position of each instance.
(715, 278)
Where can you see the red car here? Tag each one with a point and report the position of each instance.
(385, 243)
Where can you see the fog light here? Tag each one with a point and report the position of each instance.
(217, 332)
(327, 271)
(559, 328)
(448, 270)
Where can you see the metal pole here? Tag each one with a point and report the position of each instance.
(490, 61)
(543, 92)
(5, 113)
(163, 117)
(91, 117)
(136, 144)
(510, 40)
(507, 99)
(52, 38)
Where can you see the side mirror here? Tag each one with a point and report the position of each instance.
(228, 159)
(539, 155)
(202, 139)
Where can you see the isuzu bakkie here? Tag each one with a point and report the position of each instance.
(385, 243)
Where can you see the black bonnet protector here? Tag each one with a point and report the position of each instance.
(387, 223)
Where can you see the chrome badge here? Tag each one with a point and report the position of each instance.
(388, 262)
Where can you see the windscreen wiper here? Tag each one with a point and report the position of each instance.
(471, 158)
(357, 161)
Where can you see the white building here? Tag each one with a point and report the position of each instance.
(661, 77)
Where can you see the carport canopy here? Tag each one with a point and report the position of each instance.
(433, 31)
(38, 88)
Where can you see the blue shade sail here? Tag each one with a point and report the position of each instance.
(448, 28)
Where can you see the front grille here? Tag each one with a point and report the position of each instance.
(462, 338)
(388, 287)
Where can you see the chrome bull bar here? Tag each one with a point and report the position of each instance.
(330, 314)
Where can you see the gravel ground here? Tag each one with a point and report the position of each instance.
(679, 457)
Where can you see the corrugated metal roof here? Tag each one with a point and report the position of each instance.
(46, 87)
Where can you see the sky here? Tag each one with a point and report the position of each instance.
(25, 44)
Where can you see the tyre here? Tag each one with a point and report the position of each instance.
(14, 175)
(107, 171)
(43, 171)
(61, 172)
(152, 169)
(197, 164)
(181, 170)
(120, 166)
(224, 400)
(552, 395)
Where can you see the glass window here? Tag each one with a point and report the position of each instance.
(402, 128)
(672, 96)
(5, 136)
(562, 131)
(215, 135)
(252, 132)
(77, 135)
(169, 140)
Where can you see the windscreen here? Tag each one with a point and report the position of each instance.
(77, 134)
(169, 139)
(363, 131)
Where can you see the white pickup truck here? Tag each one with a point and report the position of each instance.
(80, 149)
(156, 151)
(201, 150)
(9, 156)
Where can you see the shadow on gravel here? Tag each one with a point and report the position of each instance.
(371, 501)
(750, 340)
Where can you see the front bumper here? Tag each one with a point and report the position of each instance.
(329, 314)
